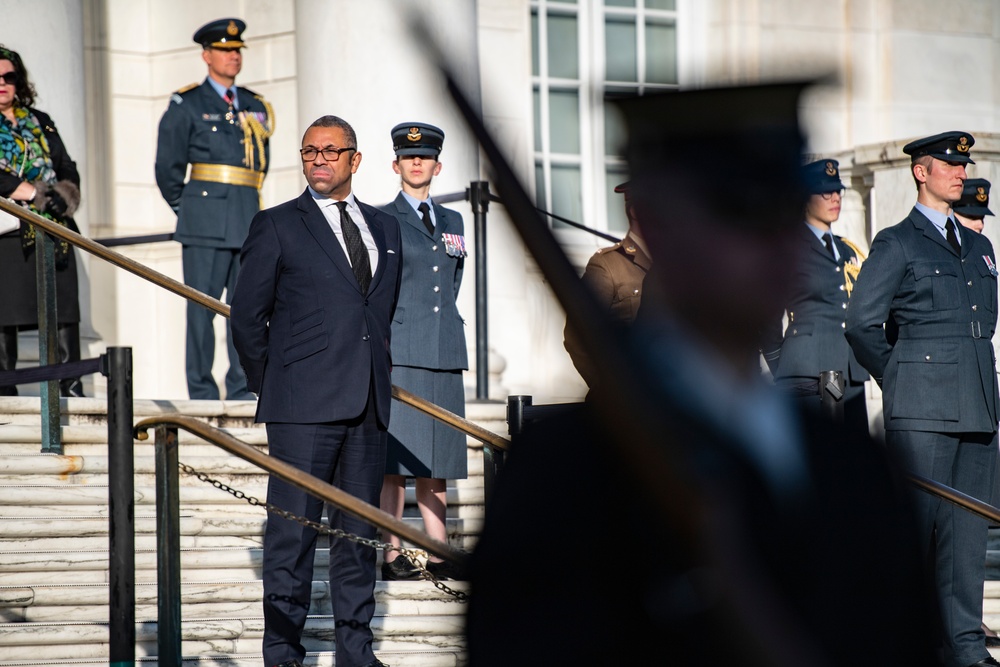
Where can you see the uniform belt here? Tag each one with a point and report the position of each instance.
(228, 174)
(942, 330)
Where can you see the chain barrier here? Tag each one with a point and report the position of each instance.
(413, 554)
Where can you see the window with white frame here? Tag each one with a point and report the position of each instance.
(584, 53)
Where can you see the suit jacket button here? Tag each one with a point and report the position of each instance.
(365, 337)
(969, 283)
(437, 289)
(434, 269)
(436, 309)
(841, 288)
(937, 271)
(843, 325)
(927, 357)
(974, 306)
(434, 248)
(204, 193)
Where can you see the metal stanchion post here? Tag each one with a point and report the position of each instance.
(117, 367)
(48, 347)
(168, 549)
(479, 198)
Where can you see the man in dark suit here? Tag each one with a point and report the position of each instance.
(428, 346)
(828, 264)
(222, 131)
(937, 281)
(311, 321)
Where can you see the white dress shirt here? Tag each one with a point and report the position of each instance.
(332, 213)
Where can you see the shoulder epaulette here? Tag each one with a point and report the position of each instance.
(609, 248)
(186, 88)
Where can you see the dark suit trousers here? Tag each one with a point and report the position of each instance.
(351, 456)
(855, 403)
(209, 270)
(955, 539)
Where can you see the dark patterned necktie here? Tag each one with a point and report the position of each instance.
(425, 214)
(949, 228)
(228, 97)
(356, 250)
(828, 242)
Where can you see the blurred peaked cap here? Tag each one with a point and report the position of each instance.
(975, 199)
(746, 139)
(822, 176)
(622, 188)
(221, 34)
(417, 139)
(947, 146)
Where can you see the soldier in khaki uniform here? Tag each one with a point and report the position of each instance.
(615, 275)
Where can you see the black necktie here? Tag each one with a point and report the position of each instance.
(356, 250)
(228, 97)
(949, 228)
(425, 214)
(828, 242)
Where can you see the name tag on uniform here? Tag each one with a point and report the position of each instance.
(454, 245)
(211, 116)
(990, 265)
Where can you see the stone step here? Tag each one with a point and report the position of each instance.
(210, 658)
(92, 533)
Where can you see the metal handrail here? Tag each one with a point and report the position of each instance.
(220, 308)
(304, 481)
(966, 502)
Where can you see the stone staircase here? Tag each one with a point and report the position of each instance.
(54, 548)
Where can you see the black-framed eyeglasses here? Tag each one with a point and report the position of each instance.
(332, 154)
(829, 195)
(10, 78)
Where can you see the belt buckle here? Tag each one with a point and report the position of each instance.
(977, 331)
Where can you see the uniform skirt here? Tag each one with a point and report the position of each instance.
(18, 295)
(419, 445)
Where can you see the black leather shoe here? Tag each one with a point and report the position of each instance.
(399, 570)
(986, 662)
(445, 570)
(376, 662)
(289, 663)
(992, 642)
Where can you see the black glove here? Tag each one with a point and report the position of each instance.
(55, 205)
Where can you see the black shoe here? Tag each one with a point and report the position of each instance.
(445, 570)
(986, 662)
(399, 570)
(289, 663)
(992, 642)
(376, 662)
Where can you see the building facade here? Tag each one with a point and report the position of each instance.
(540, 71)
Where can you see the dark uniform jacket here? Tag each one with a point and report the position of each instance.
(427, 329)
(18, 299)
(309, 341)
(940, 375)
(814, 340)
(195, 129)
(614, 275)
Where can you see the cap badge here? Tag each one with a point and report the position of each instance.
(830, 169)
(981, 195)
(963, 145)
(414, 134)
(232, 30)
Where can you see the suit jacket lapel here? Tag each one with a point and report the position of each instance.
(316, 223)
(818, 246)
(378, 234)
(965, 236)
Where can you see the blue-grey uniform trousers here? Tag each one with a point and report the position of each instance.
(210, 270)
(966, 462)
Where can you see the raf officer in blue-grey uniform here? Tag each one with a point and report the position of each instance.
(428, 345)
(814, 340)
(937, 281)
(971, 210)
(222, 131)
